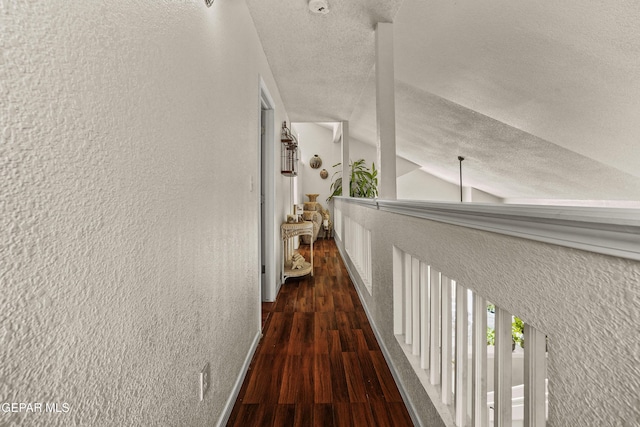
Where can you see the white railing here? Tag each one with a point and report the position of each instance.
(358, 245)
(549, 265)
(337, 222)
(442, 327)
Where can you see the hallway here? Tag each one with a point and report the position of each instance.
(318, 363)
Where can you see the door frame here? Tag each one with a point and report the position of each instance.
(266, 176)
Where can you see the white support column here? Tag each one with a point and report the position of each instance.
(415, 299)
(502, 370)
(462, 356)
(447, 372)
(425, 313)
(346, 170)
(434, 370)
(479, 365)
(385, 111)
(535, 374)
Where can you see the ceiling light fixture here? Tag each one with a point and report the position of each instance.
(320, 7)
(460, 159)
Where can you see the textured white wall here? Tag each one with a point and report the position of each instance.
(129, 236)
(480, 196)
(419, 185)
(315, 139)
(587, 304)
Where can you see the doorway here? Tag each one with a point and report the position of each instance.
(266, 173)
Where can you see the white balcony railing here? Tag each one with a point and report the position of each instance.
(571, 274)
(337, 223)
(357, 241)
(442, 329)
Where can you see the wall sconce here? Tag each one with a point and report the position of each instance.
(288, 152)
(208, 2)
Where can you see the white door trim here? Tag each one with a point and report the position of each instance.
(269, 290)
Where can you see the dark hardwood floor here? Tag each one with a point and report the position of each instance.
(318, 363)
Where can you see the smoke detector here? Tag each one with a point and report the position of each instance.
(319, 6)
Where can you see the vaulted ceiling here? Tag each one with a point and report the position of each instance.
(542, 98)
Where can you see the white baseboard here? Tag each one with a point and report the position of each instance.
(407, 401)
(228, 407)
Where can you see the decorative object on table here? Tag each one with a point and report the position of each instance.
(315, 162)
(312, 197)
(313, 212)
(290, 231)
(297, 261)
(288, 152)
(291, 219)
(298, 210)
(324, 174)
(327, 224)
(364, 181)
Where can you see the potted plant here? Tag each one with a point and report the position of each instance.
(517, 331)
(364, 181)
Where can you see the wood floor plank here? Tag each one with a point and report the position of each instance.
(276, 337)
(306, 297)
(342, 301)
(285, 416)
(322, 379)
(385, 378)
(247, 415)
(323, 415)
(265, 415)
(322, 324)
(381, 415)
(306, 378)
(304, 415)
(287, 297)
(264, 380)
(340, 389)
(372, 342)
(347, 341)
(325, 303)
(301, 333)
(361, 414)
(399, 415)
(290, 385)
(342, 415)
(353, 374)
(369, 374)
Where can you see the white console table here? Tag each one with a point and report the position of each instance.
(289, 230)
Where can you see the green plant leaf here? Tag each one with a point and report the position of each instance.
(364, 182)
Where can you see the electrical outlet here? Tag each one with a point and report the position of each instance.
(205, 380)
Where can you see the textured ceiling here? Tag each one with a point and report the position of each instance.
(320, 62)
(542, 98)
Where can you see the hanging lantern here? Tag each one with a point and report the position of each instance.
(289, 152)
